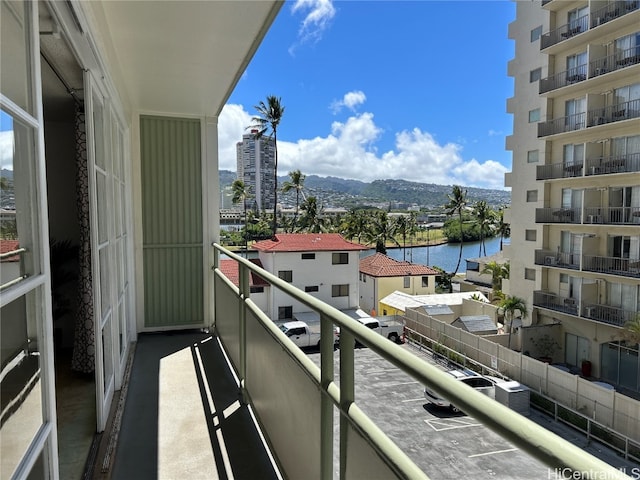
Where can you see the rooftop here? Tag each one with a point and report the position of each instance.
(230, 270)
(402, 301)
(380, 265)
(307, 242)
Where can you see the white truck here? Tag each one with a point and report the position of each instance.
(391, 329)
(304, 335)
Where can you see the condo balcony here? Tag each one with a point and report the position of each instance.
(589, 215)
(585, 308)
(595, 68)
(608, 265)
(594, 19)
(601, 165)
(592, 118)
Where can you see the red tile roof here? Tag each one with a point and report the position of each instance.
(9, 246)
(307, 242)
(380, 265)
(231, 271)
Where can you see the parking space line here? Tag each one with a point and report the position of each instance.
(397, 384)
(420, 399)
(449, 424)
(491, 453)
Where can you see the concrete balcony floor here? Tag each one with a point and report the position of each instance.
(183, 417)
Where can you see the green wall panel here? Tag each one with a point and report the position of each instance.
(171, 164)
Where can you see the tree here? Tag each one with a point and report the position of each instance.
(267, 122)
(297, 183)
(354, 225)
(511, 305)
(503, 229)
(484, 220)
(311, 219)
(402, 228)
(456, 205)
(240, 194)
(380, 231)
(631, 330)
(498, 271)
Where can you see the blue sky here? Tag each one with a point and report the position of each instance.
(372, 90)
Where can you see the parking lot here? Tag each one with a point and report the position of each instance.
(443, 444)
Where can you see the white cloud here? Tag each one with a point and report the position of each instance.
(6, 149)
(349, 151)
(318, 16)
(350, 100)
(495, 133)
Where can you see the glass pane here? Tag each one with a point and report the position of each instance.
(14, 46)
(105, 269)
(107, 353)
(117, 209)
(98, 133)
(609, 362)
(102, 210)
(20, 384)
(629, 368)
(18, 225)
(121, 338)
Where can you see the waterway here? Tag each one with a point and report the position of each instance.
(444, 256)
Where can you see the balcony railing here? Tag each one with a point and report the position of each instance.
(558, 215)
(607, 314)
(616, 61)
(562, 79)
(552, 258)
(613, 164)
(612, 215)
(598, 116)
(598, 17)
(625, 267)
(564, 32)
(255, 346)
(600, 313)
(551, 301)
(559, 170)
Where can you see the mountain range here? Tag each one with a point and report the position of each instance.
(341, 192)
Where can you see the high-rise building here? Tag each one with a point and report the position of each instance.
(575, 208)
(255, 159)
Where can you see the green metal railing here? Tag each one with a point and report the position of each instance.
(252, 338)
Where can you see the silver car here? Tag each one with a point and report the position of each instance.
(483, 384)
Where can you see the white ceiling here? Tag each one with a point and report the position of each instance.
(185, 57)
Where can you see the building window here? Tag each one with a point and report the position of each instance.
(530, 235)
(286, 275)
(285, 313)
(532, 195)
(534, 115)
(532, 156)
(363, 277)
(256, 289)
(536, 33)
(340, 290)
(407, 282)
(340, 258)
(535, 75)
(308, 256)
(312, 288)
(425, 281)
(529, 274)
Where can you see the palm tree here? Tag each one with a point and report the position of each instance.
(484, 219)
(297, 183)
(311, 219)
(241, 194)
(402, 228)
(631, 330)
(267, 122)
(503, 229)
(457, 203)
(510, 305)
(354, 225)
(380, 231)
(498, 271)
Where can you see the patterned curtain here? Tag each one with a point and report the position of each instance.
(83, 359)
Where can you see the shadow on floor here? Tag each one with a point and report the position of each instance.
(183, 417)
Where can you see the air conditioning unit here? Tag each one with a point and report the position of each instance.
(550, 260)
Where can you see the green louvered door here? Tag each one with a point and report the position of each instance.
(172, 222)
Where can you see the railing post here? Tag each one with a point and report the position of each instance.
(242, 333)
(347, 393)
(327, 346)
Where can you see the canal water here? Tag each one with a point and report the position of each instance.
(444, 256)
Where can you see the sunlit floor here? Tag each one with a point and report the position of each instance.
(76, 410)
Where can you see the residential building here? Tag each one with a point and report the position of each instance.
(255, 162)
(381, 275)
(259, 289)
(575, 208)
(325, 265)
(444, 306)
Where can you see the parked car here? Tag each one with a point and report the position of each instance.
(304, 335)
(393, 329)
(481, 383)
